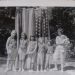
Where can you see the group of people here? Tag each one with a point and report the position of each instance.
(36, 53)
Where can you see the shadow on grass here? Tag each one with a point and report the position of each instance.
(3, 61)
(65, 68)
(69, 68)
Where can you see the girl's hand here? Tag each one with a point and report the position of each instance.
(62, 51)
(9, 51)
(26, 53)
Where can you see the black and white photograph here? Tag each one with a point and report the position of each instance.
(37, 39)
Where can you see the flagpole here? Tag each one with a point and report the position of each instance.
(17, 30)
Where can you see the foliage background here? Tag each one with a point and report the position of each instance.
(59, 17)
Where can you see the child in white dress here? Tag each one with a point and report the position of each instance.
(22, 51)
(61, 43)
(11, 46)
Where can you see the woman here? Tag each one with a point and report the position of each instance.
(11, 46)
(61, 43)
(22, 51)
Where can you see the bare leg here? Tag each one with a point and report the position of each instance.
(41, 63)
(17, 63)
(8, 65)
(55, 59)
(50, 61)
(8, 62)
(47, 62)
(41, 66)
(25, 63)
(11, 65)
(31, 63)
(14, 67)
(20, 65)
(38, 62)
(28, 63)
(37, 67)
(62, 62)
(56, 68)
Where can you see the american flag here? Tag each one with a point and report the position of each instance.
(36, 26)
(47, 23)
(41, 24)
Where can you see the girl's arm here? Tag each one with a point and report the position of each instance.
(26, 44)
(45, 47)
(33, 50)
(57, 40)
(7, 44)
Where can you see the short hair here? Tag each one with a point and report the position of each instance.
(41, 38)
(13, 31)
(32, 37)
(60, 29)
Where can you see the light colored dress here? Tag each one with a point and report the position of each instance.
(11, 46)
(22, 49)
(61, 42)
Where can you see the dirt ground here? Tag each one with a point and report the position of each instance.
(69, 69)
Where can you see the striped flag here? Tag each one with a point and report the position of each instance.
(41, 24)
(39, 27)
(47, 23)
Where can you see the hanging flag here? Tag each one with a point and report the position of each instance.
(46, 17)
(39, 26)
(42, 23)
(36, 26)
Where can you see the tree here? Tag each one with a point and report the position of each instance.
(65, 17)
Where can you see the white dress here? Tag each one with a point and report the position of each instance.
(59, 53)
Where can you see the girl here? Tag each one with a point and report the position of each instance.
(31, 53)
(40, 56)
(61, 43)
(11, 46)
(49, 55)
(22, 51)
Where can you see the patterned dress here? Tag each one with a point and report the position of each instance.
(61, 42)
